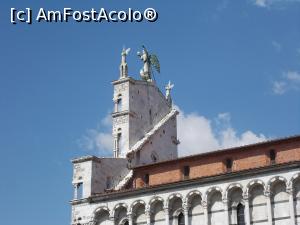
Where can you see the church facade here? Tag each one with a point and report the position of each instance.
(146, 183)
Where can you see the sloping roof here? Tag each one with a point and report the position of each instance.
(156, 128)
(124, 181)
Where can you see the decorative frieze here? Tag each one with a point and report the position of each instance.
(121, 87)
(120, 120)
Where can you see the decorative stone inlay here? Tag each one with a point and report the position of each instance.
(119, 120)
(121, 87)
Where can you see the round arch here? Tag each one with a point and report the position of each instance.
(292, 180)
(155, 199)
(253, 183)
(135, 203)
(276, 179)
(119, 205)
(230, 187)
(100, 215)
(212, 190)
(172, 196)
(191, 194)
(100, 210)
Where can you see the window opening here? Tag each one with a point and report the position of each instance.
(229, 164)
(146, 179)
(240, 210)
(186, 172)
(80, 191)
(181, 219)
(272, 156)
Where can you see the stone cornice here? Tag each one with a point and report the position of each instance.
(85, 159)
(123, 80)
(121, 113)
(133, 81)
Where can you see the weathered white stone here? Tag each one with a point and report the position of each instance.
(144, 119)
(174, 197)
(144, 131)
(94, 173)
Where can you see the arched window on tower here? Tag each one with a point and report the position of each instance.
(240, 211)
(119, 142)
(119, 103)
(118, 148)
(181, 219)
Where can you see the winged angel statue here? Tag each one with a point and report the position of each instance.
(150, 62)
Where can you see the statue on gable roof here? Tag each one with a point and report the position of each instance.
(150, 61)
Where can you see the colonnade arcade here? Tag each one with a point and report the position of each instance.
(276, 202)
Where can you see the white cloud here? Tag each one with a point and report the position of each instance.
(261, 3)
(98, 139)
(276, 45)
(269, 3)
(292, 76)
(198, 134)
(195, 134)
(222, 5)
(289, 81)
(279, 87)
(107, 121)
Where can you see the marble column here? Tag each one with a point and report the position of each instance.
(205, 210)
(111, 220)
(75, 186)
(115, 100)
(186, 214)
(226, 211)
(167, 216)
(247, 209)
(148, 217)
(269, 207)
(291, 206)
(116, 146)
(130, 219)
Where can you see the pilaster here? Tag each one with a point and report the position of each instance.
(225, 202)
(148, 215)
(167, 216)
(247, 209)
(186, 213)
(205, 209)
(291, 206)
(130, 220)
(269, 206)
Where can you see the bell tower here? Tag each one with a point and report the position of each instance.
(144, 122)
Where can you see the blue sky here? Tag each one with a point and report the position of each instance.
(235, 66)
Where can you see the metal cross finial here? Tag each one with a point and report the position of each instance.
(169, 87)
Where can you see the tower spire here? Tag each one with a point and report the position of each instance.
(123, 65)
